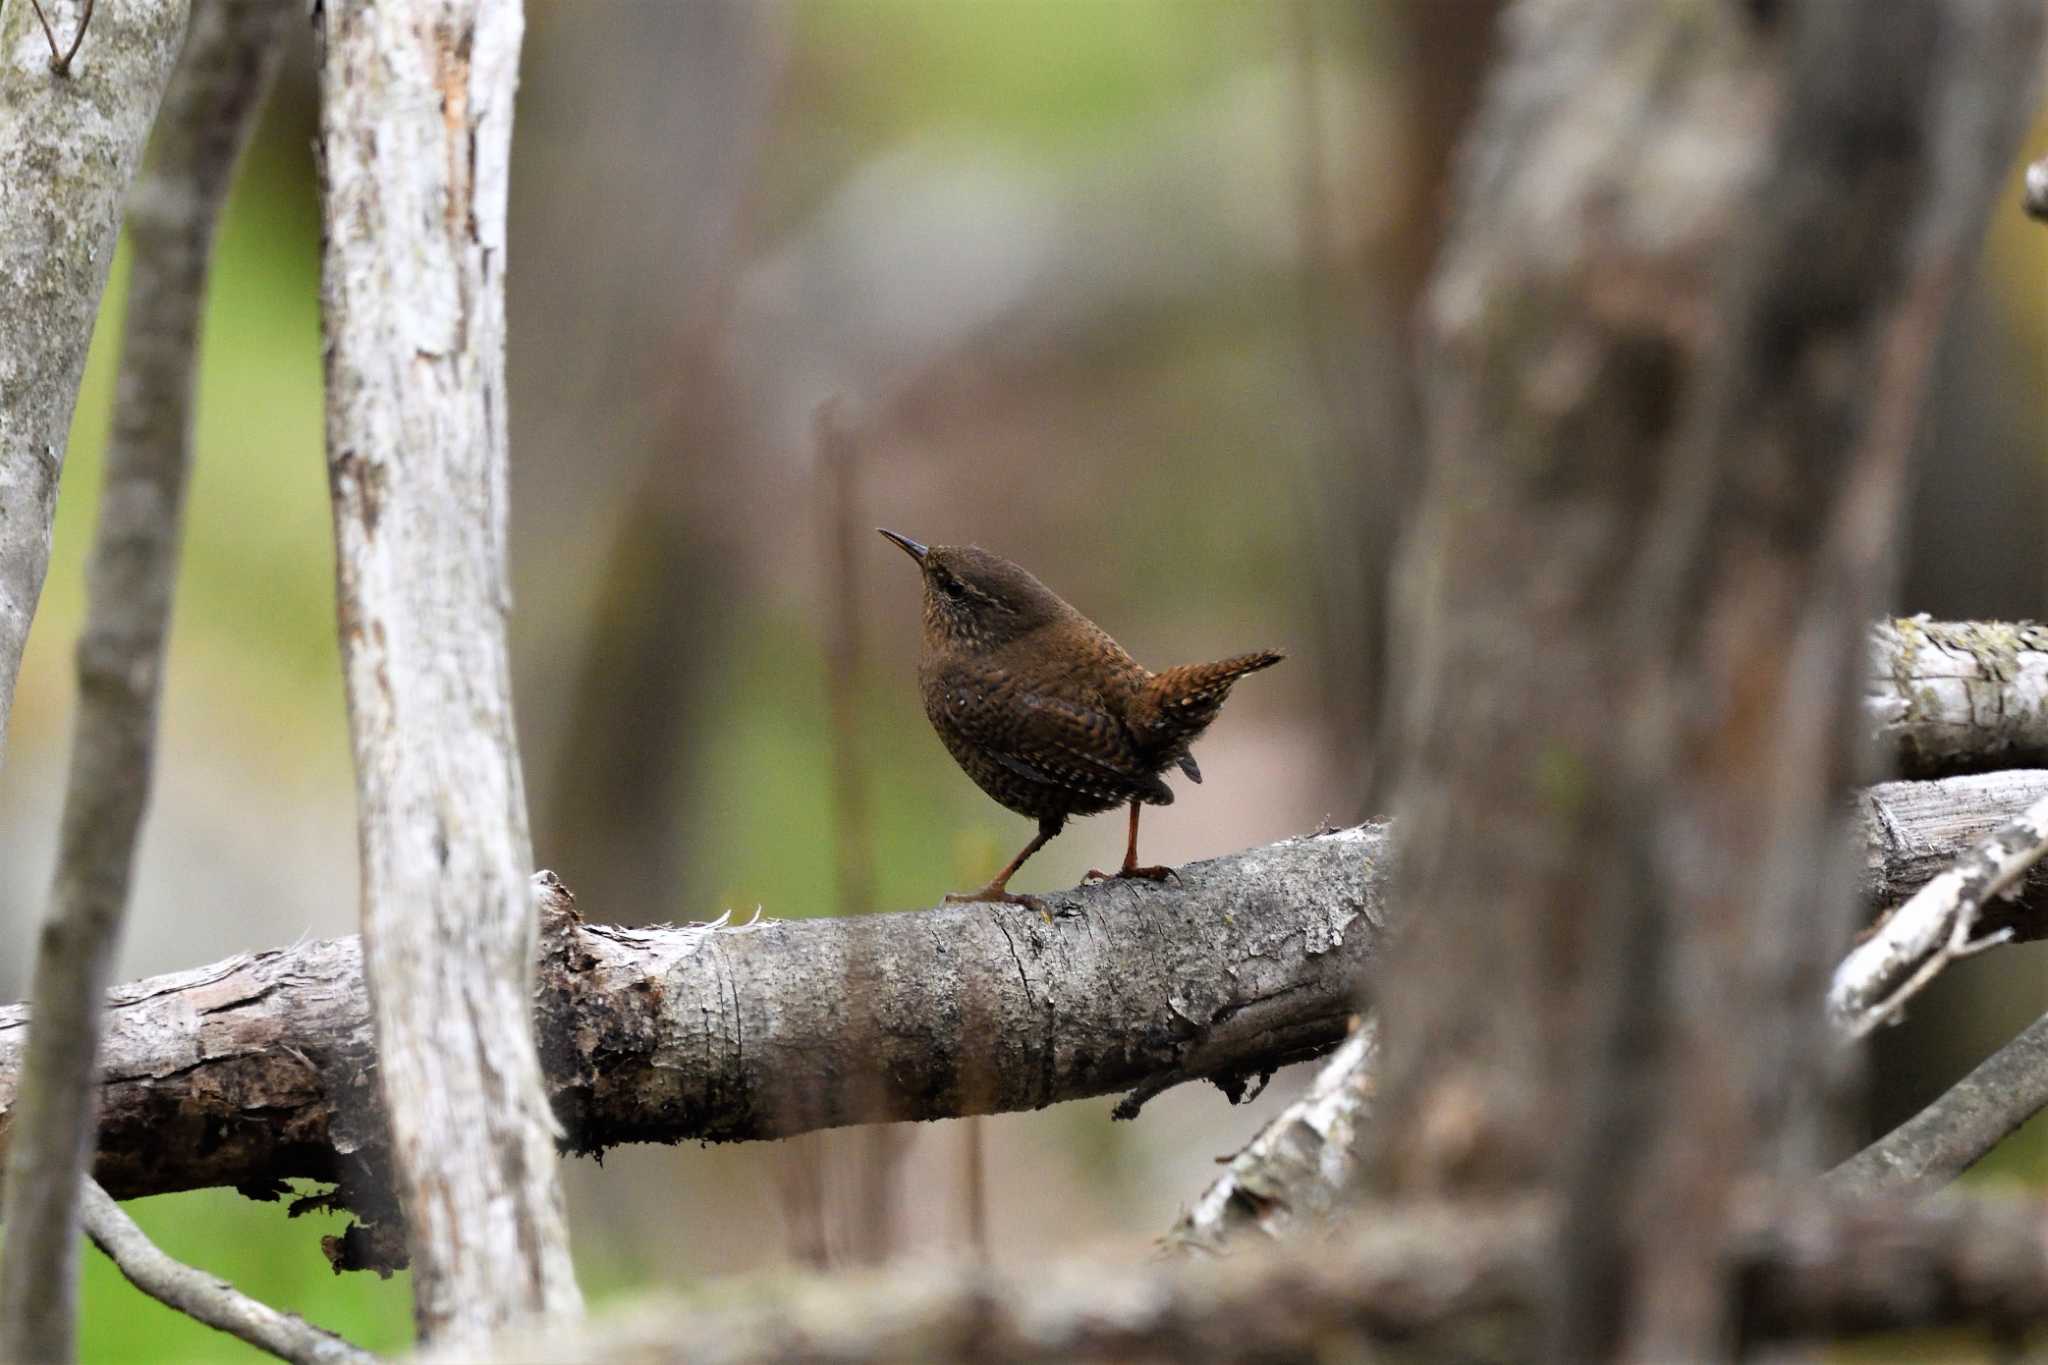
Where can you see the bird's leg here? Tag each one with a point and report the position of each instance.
(995, 891)
(1130, 867)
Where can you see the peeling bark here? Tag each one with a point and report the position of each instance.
(261, 1068)
(415, 139)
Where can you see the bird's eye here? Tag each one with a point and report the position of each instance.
(950, 585)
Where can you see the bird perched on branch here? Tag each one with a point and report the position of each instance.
(1046, 713)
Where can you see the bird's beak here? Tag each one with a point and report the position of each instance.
(909, 546)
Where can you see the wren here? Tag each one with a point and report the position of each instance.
(1044, 711)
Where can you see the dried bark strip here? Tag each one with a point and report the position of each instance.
(1959, 696)
(208, 1298)
(1429, 1282)
(68, 147)
(208, 112)
(261, 1068)
(415, 138)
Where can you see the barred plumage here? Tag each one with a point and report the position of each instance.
(1043, 709)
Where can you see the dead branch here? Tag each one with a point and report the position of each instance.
(1960, 1128)
(260, 1068)
(205, 1297)
(1959, 696)
(1936, 926)
(415, 138)
(229, 58)
(1437, 1282)
(257, 1069)
(1293, 1177)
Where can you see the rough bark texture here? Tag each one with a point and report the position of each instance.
(261, 1068)
(415, 135)
(1944, 920)
(68, 147)
(1914, 831)
(1450, 1283)
(1679, 339)
(229, 58)
(1295, 1175)
(208, 1298)
(1959, 696)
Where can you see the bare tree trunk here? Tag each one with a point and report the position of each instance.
(208, 112)
(68, 146)
(1680, 336)
(415, 134)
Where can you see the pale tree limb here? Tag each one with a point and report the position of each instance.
(2035, 196)
(415, 140)
(1959, 696)
(1293, 1177)
(1935, 927)
(68, 147)
(261, 1068)
(1960, 1128)
(1428, 1282)
(208, 1298)
(229, 58)
(1294, 1174)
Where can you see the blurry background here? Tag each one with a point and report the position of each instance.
(1117, 288)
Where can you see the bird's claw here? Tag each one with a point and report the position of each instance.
(1150, 874)
(991, 896)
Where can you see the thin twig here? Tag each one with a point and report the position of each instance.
(1936, 927)
(1960, 1128)
(207, 1298)
(48, 36)
(62, 65)
(209, 107)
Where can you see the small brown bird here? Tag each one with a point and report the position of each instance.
(1045, 712)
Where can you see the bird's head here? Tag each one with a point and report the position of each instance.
(975, 599)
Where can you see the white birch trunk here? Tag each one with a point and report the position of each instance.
(415, 134)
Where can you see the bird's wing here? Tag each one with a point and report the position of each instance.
(1072, 743)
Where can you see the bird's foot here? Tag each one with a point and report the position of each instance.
(1150, 874)
(997, 895)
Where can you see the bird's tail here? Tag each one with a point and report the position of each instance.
(1184, 699)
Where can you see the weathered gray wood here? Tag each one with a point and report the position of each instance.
(208, 112)
(415, 140)
(1435, 1282)
(261, 1067)
(1959, 696)
(69, 145)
